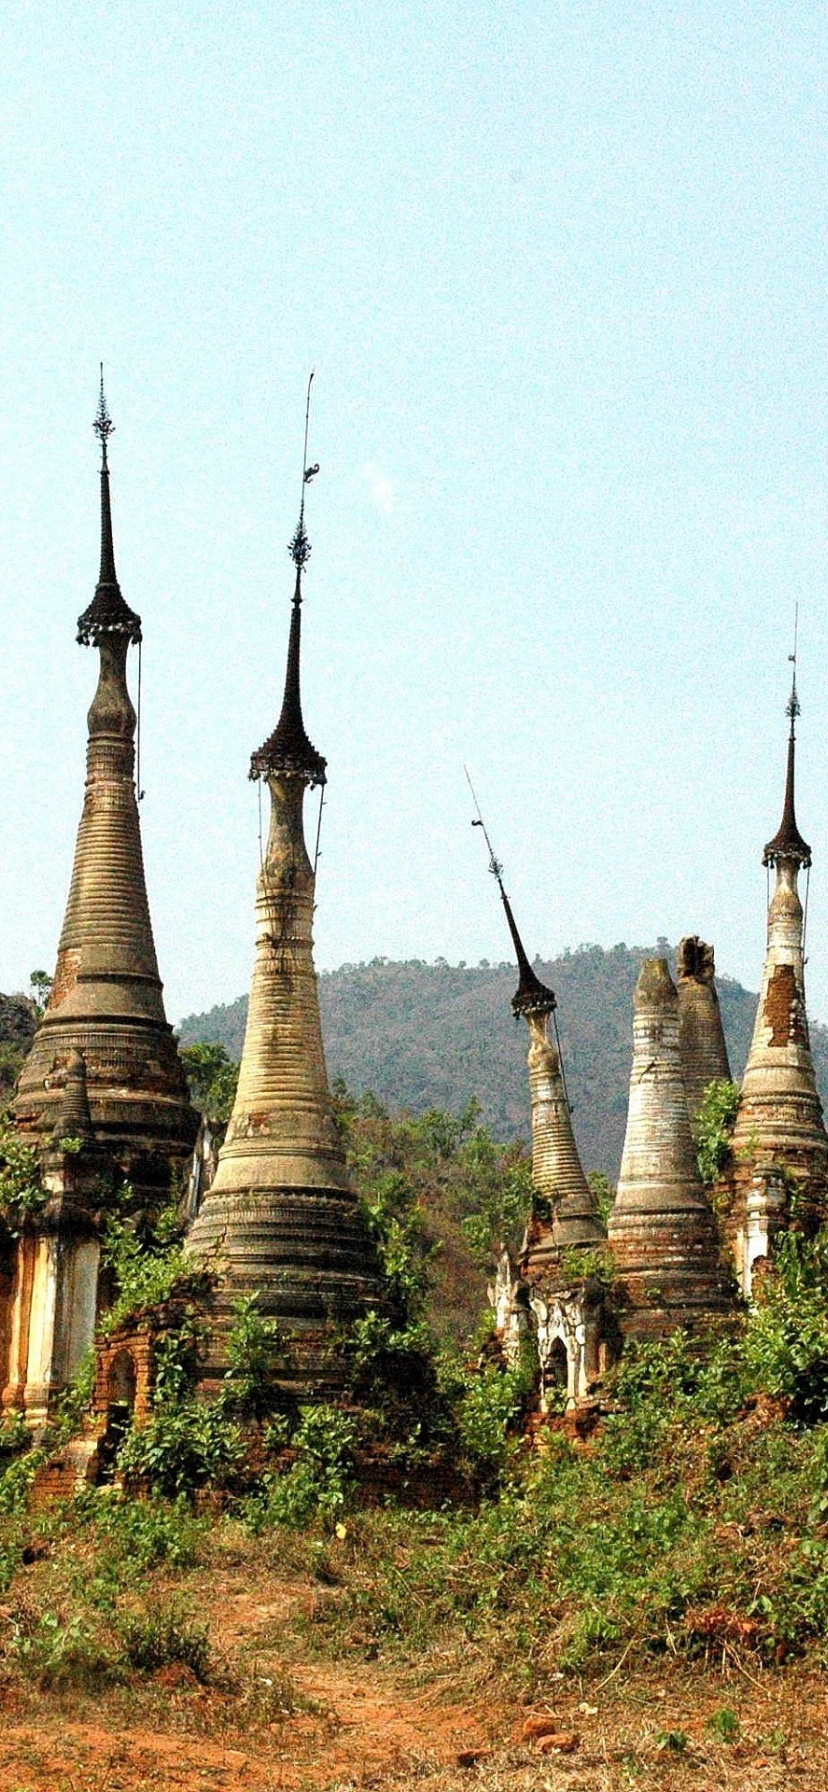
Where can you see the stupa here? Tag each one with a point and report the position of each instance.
(780, 1145)
(662, 1230)
(103, 1072)
(281, 1220)
(704, 1057)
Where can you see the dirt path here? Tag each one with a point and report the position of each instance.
(310, 1724)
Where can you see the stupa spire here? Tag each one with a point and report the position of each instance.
(531, 996)
(787, 842)
(281, 1207)
(288, 749)
(107, 613)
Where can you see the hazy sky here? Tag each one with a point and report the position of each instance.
(561, 270)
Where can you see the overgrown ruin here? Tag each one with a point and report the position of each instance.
(102, 1098)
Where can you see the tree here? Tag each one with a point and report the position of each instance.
(212, 1078)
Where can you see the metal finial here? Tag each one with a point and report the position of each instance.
(300, 548)
(103, 424)
(495, 865)
(793, 708)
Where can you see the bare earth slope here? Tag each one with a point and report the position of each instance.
(277, 1716)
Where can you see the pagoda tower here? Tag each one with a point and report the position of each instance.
(104, 1070)
(568, 1313)
(280, 1219)
(701, 1035)
(662, 1231)
(779, 1138)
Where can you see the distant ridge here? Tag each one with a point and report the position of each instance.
(432, 1035)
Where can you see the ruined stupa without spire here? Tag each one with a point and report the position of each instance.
(662, 1230)
(281, 1220)
(779, 1137)
(704, 1057)
(104, 1069)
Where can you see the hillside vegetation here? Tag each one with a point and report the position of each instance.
(435, 1035)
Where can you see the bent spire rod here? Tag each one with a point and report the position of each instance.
(531, 996)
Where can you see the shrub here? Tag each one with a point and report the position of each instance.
(21, 1190)
(320, 1483)
(148, 1264)
(153, 1640)
(714, 1128)
(183, 1446)
(490, 1413)
(391, 1370)
(61, 1653)
(786, 1340)
(256, 1351)
(141, 1533)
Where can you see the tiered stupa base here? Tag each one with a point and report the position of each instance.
(306, 1256)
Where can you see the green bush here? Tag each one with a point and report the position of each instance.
(256, 1353)
(22, 1194)
(786, 1339)
(157, 1639)
(59, 1654)
(141, 1533)
(181, 1447)
(320, 1483)
(490, 1414)
(148, 1264)
(714, 1128)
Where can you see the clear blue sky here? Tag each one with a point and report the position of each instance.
(561, 270)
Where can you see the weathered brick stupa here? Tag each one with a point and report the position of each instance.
(701, 1034)
(568, 1312)
(104, 1068)
(780, 1146)
(281, 1219)
(661, 1230)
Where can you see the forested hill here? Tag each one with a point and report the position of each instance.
(432, 1035)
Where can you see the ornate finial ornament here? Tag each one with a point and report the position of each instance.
(792, 708)
(299, 548)
(103, 424)
(108, 614)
